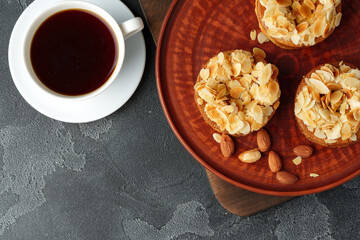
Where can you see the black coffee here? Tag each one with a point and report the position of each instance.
(74, 52)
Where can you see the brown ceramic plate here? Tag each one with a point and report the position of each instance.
(194, 31)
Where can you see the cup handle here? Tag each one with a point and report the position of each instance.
(132, 26)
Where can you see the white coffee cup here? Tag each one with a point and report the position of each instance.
(120, 31)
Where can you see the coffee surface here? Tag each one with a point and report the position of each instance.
(73, 52)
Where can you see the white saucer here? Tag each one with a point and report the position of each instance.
(102, 104)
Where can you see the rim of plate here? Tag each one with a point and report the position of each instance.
(199, 159)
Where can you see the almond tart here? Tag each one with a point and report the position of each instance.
(293, 24)
(327, 105)
(237, 92)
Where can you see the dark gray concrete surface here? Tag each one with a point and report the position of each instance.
(128, 177)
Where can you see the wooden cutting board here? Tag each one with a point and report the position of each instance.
(236, 200)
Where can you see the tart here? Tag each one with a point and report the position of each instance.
(237, 92)
(293, 24)
(327, 105)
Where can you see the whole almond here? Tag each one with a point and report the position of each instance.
(250, 156)
(303, 151)
(226, 145)
(285, 177)
(263, 140)
(274, 161)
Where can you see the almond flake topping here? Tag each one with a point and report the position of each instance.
(329, 103)
(239, 90)
(300, 22)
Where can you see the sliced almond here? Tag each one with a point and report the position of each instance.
(318, 11)
(273, 89)
(258, 114)
(266, 74)
(319, 134)
(310, 4)
(334, 86)
(315, 76)
(232, 84)
(314, 175)
(221, 58)
(301, 99)
(343, 107)
(297, 108)
(357, 115)
(319, 86)
(336, 72)
(325, 30)
(302, 27)
(338, 19)
(296, 8)
(353, 137)
(221, 87)
(221, 93)
(352, 82)
(336, 97)
(236, 92)
(217, 137)
(344, 68)
(283, 31)
(316, 96)
(328, 68)
(318, 27)
(228, 109)
(275, 71)
(213, 70)
(295, 39)
(204, 73)
(253, 35)
(328, 100)
(246, 98)
(256, 126)
(262, 38)
(199, 85)
(350, 117)
(284, 3)
(305, 11)
(297, 161)
(346, 75)
(246, 65)
(236, 69)
(346, 131)
(246, 129)
(259, 52)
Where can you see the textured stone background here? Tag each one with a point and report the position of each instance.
(127, 176)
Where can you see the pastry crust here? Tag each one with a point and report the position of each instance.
(280, 42)
(202, 106)
(304, 128)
